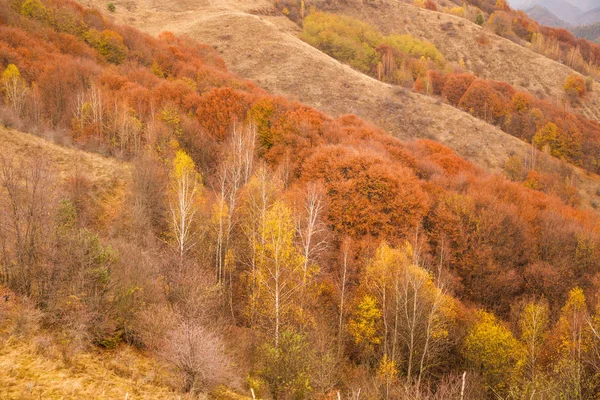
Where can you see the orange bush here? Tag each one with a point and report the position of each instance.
(483, 101)
(455, 87)
(220, 108)
(430, 5)
(368, 195)
(575, 85)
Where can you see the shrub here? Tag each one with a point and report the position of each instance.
(479, 19)
(111, 7)
(34, 9)
(360, 45)
(286, 367)
(575, 86)
(344, 38)
(501, 24)
(483, 101)
(455, 87)
(198, 354)
(436, 82)
(430, 5)
(109, 44)
(547, 137)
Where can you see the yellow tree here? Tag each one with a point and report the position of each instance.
(492, 350)
(533, 322)
(416, 314)
(364, 325)
(259, 194)
(185, 200)
(14, 88)
(279, 272)
(573, 335)
(232, 175)
(546, 138)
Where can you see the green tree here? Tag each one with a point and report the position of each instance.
(285, 367)
(479, 20)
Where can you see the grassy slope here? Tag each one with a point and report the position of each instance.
(457, 38)
(35, 365)
(101, 171)
(27, 372)
(107, 178)
(260, 44)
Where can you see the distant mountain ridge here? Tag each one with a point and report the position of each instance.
(552, 12)
(545, 17)
(590, 17)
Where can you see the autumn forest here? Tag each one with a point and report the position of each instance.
(247, 245)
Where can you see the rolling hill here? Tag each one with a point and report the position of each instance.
(285, 65)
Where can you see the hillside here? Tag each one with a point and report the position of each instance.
(216, 238)
(571, 11)
(493, 57)
(283, 64)
(103, 173)
(35, 364)
(455, 37)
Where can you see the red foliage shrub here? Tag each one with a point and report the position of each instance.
(483, 101)
(368, 195)
(455, 87)
(430, 5)
(220, 108)
(436, 82)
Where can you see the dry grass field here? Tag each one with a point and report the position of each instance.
(35, 365)
(106, 179)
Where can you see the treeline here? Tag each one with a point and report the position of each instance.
(562, 134)
(589, 32)
(316, 255)
(556, 43)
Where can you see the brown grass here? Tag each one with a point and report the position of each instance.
(31, 365)
(106, 178)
